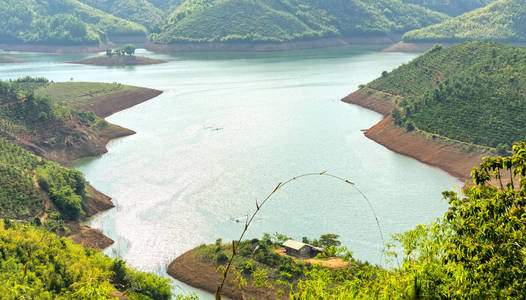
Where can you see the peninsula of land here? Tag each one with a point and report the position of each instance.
(440, 108)
(44, 123)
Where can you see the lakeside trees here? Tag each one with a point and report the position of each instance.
(129, 50)
(471, 92)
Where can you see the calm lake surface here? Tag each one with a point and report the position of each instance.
(227, 129)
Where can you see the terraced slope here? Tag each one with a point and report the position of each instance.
(473, 92)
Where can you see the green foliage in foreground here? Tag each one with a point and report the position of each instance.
(20, 195)
(477, 250)
(502, 20)
(38, 265)
(59, 22)
(288, 20)
(473, 92)
(451, 7)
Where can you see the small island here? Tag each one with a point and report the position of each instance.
(124, 56)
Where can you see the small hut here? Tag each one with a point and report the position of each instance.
(299, 249)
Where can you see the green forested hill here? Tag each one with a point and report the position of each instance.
(166, 5)
(451, 7)
(139, 11)
(287, 20)
(473, 92)
(502, 20)
(59, 22)
(35, 264)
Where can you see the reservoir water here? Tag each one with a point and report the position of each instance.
(227, 129)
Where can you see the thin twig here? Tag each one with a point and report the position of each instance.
(260, 205)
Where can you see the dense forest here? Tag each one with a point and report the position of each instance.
(139, 11)
(472, 92)
(502, 20)
(36, 264)
(60, 22)
(287, 20)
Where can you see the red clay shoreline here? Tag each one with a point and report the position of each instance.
(447, 156)
(197, 272)
(268, 47)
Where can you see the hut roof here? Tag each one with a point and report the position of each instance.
(294, 245)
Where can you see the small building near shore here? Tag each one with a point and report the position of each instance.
(299, 249)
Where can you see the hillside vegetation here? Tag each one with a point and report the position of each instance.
(35, 264)
(451, 7)
(139, 11)
(476, 251)
(60, 22)
(28, 181)
(502, 20)
(289, 20)
(472, 92)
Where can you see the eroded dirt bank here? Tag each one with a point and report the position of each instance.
(199, 273)
(450, 157)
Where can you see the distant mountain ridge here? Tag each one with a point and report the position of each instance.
(290, 20)
(227, 22)
(502, 20)
(451, 7)
(60, 22)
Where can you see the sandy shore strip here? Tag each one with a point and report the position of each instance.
(449, 157)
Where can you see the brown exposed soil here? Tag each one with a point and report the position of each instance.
(11, 60)
(199, 273)
(116, 60)
(412, 47)
(370, 99)
(89, 237)
(332, 263)
(262, 47)
(96, 202)
(106, 105)
(448, 156)
(93, 48)
(70, 142)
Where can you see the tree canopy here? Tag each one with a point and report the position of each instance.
(287, 20)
